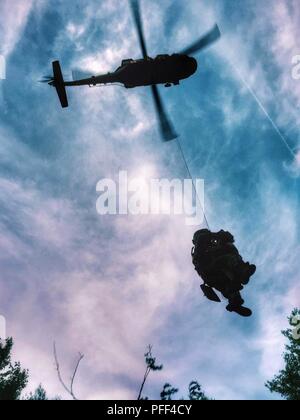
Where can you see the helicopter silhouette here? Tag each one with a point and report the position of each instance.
(167, 70)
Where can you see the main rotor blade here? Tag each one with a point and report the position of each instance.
(203, 42)
(46, 80)
(166, 127)
(135, 7)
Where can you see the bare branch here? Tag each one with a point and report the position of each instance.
(81, 356)
(143, 383)
(70, 389)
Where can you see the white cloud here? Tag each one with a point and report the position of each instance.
(109, 287)
(14, 15)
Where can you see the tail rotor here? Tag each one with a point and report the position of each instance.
(58, 82)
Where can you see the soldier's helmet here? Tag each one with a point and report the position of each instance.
(199, 234)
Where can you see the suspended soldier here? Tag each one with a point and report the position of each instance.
(219, 264)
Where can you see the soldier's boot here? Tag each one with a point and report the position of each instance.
(236, 305)
(240, 310)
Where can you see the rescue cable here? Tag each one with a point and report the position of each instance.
(192, 179)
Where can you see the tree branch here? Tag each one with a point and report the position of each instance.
(150, 366)
(143, 383)
(68, 389)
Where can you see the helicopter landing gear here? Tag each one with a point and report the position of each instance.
(94, 82)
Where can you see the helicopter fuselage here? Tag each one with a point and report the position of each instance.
(164, 69)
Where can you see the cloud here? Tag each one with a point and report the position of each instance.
(109, 286)
(259, 55)
(294, 168)
(14, 15)
(274, 314)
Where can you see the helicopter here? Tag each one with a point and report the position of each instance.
(167, 70)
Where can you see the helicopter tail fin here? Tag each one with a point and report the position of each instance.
(59, 84)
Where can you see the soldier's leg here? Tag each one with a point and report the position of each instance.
(234, 298)
(236, 269)
(236, 303)
(226, 267)
(246, 272)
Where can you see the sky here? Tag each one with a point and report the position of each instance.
(107, 286)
